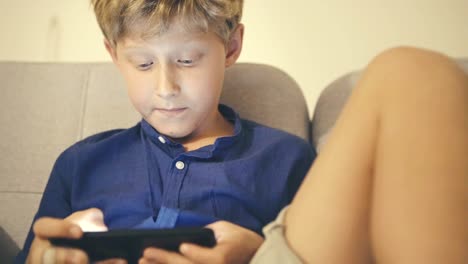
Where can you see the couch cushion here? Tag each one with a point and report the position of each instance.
(329, 106)
(16, 218)
(267, 95)
(463, 63)
(8, 248)
(107, 105)
(40, 116)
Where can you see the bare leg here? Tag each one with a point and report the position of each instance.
(390, 185)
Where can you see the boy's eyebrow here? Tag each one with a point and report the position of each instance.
(134, 51)
(144, 51)
(134, 54)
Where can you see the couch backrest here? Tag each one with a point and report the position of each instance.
(46, 107)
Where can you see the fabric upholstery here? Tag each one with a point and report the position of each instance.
(8, 247)
(329, 106)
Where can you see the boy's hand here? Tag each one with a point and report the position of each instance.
(43, 252)
(235, 244)
(71, 227)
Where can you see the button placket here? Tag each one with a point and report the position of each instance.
(172, 194)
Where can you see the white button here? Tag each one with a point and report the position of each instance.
(162, 140)
(180, 165)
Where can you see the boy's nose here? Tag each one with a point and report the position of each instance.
(166, 85)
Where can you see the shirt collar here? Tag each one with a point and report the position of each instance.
(207, 151)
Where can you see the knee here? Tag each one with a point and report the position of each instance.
(408, 67)
(408, 53)
(409, 61)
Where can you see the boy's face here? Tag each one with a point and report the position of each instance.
(175, 80)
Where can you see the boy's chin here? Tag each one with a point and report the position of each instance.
(174, 133)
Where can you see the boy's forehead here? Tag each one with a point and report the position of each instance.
(133, 43)
(175, 32)
(177, 36)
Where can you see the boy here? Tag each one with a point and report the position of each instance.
(190, 161)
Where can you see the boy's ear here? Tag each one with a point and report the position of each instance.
(111, 50)
(234, 46)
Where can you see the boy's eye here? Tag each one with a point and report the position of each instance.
(185, 62)
(145, 66)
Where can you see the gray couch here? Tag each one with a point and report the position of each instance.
(46, 107)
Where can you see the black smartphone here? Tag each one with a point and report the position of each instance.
(129, 243)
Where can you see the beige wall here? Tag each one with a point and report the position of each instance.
(313, 41)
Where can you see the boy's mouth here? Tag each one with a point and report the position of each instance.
(171, 112)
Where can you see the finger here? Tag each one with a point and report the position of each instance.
(222, 230)
(90, 220)
(198, 254)
(53, 255)
(156, 255)
(48, 227)
(148, 261)
(218, 226)
(112, 261)
(48, 256)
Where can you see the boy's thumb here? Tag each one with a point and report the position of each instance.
(90, 220)
(197, 253)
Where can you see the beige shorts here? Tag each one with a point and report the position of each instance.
(275, 249)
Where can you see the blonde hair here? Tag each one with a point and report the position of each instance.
(149, 18)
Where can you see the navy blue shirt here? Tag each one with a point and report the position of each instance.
(141, 179)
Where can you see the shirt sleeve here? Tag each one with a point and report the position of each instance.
(305, 158)
(55, 201)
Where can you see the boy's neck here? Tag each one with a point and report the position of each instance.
(221, 128)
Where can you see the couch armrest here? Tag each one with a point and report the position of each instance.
(8, 248)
